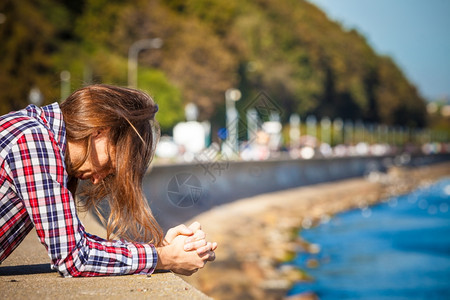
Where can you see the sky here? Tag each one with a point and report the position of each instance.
(415, 33)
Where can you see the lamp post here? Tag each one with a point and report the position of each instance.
(294, 131)
(252, 124)
(35, 96)
(311, 126)
(65, 84)
(231, 96)
(133, 53)
(325, 135)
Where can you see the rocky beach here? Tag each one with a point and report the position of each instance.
(256, 235)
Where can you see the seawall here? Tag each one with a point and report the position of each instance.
(179, 192)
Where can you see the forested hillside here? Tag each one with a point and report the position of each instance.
(287, 48)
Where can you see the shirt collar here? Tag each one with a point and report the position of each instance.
(52, 117)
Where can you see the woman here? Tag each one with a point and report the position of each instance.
(107, 135)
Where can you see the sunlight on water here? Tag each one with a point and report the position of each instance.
(399, 249)
(447, 190)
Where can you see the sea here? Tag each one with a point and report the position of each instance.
(398, 249)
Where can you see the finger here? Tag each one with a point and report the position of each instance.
(214, 246)
(178, 230)
(208, 256)
(204, 249)
(212, 256)
(209, 247)
(194, 245)
(198, 235)
(195, 226)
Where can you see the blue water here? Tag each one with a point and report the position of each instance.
(395, 250)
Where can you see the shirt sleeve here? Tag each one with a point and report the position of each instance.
(39, 176)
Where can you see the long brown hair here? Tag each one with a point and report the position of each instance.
(134, 133)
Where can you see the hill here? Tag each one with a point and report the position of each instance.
(288, 49)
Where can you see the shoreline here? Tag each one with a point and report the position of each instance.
(257, 234)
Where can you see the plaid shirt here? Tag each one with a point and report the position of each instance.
(33, 191)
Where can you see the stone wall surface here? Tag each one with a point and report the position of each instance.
(179, 192)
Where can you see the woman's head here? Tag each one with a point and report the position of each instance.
(93, 162)
(112, 135)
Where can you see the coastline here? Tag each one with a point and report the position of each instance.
(256, 234)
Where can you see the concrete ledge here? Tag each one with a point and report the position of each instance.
(31, 283)
(26, 274)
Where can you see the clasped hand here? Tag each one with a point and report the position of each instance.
(185, 250)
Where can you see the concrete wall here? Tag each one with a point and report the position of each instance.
(177, 193)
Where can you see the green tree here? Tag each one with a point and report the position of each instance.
(288, 48)
(28, 38)
(168, 97)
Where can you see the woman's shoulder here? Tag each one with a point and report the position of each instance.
(17, 123)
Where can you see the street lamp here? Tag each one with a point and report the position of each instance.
(65, 84)
(35, 96)
(133, 53)
(231, 96)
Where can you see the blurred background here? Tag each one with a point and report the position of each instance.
(250, 80)
(298, 92)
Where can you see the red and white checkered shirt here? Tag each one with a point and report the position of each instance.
(33, 191)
